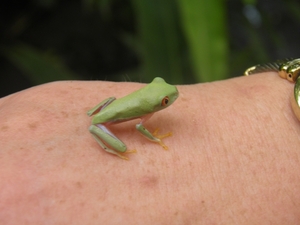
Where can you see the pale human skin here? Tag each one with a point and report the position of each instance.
(234, 157)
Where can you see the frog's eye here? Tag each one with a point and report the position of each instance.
(165, 101)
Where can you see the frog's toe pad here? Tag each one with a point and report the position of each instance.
(161, 137)
(131, 151)
(169, 134)
(163, 145)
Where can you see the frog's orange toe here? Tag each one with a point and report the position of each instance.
(161, 137)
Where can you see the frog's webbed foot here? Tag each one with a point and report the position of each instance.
(153, 136)
(121, 155)
(160, 137)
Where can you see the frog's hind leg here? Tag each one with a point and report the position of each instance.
(103, 135)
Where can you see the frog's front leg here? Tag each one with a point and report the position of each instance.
(152, 136)
(102, 134)
(100, 106)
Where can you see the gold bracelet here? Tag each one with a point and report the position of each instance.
(288, 69)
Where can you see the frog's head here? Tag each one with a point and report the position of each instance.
(163, 94)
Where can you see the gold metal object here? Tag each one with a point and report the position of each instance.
(288, 69)
(295, 100)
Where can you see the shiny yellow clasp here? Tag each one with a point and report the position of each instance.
(290, 70)
(249, 71)
(295, 100)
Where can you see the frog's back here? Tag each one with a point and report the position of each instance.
(123, 109)
(149, 99)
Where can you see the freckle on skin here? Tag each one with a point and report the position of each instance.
(149, 181)
(82, 204)
(62, 92)
(65, 114)
(4, 128)
(77, 130)
(49, 149)
(79, 184)
(62, 201)
(95, 215)
(32, 125)
(46, 211)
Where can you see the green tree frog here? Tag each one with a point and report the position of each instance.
(140, 104)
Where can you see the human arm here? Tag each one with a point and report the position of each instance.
(233, 158)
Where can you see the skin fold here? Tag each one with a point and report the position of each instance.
(234, 157)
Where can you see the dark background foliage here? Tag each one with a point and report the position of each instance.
(184, 41)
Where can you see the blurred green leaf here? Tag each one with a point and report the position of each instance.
(159, 34)
(294, 9)
(204, 25)
(39, 67)
(184, 41)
